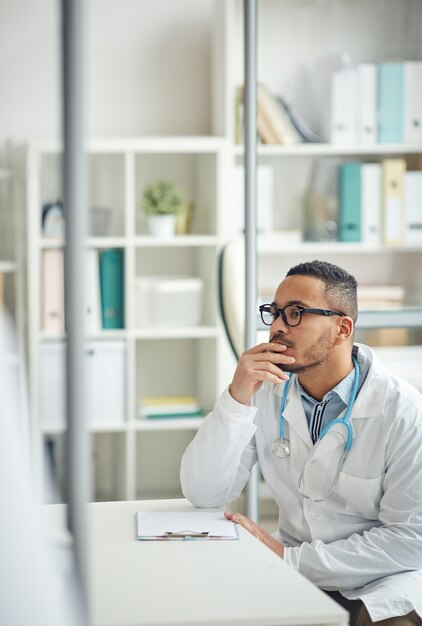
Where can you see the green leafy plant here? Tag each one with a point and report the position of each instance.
(163, 198)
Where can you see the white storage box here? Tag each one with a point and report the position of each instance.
(105, 383)
(169, 301)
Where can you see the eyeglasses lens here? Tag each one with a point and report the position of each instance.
(268, 314)
(293, 315)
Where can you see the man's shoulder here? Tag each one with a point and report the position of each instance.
(393, 384)
(385, 378)
(401, 389)
(403, 401)
(399, 398)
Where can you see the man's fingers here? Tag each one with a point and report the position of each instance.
(244, 521)
(239, 518)
(267, 371)
(271, 357)
(271, 347)
(260, 370)
(258, 532)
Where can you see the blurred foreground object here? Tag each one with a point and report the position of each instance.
(36, 572)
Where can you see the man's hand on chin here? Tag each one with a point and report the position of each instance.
(258, 532)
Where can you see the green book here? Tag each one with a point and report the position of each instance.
(112, 288)
(350, 202)
(165, 416)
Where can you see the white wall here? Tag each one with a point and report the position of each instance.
(148, 67)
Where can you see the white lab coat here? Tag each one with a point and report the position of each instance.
(365, 539)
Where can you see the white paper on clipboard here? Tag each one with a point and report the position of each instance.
(163, 525)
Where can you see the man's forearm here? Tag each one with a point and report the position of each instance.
(217, 463)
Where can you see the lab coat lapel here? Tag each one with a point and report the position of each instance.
(294, 414)
(369, 403)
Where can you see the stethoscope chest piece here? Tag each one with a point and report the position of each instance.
(281, 448)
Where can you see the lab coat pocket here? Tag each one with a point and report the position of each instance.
(361, 495)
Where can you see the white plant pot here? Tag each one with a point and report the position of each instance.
(162, 225)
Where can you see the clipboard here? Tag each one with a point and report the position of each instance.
(184, 526)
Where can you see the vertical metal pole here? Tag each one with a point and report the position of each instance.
(250, 15)
(75, 203)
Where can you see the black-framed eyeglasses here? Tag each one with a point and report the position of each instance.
(291, 314)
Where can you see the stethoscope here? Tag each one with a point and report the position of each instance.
(281, 446)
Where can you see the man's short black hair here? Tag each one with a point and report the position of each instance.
(340, 286)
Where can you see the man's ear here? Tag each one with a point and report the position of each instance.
(345, 328)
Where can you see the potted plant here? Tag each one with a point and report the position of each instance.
(162, 201)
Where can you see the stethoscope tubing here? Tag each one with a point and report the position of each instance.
(345, 420)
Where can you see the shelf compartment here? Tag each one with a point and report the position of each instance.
(158, 455)
(107, 454)
(177, 262)
(388, 267)
(106, 195)
(302, 200)
(106, 200)
(176, 367)
(108, 464)
(195, 174)
(105, 372)
(297, 63)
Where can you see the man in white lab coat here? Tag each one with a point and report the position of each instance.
(339, 443)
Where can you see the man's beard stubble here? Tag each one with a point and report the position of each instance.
(314, 356)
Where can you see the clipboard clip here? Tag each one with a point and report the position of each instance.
(183, 534)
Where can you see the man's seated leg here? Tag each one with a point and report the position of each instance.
(359, 615)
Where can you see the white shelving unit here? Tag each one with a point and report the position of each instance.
(299, 45)
(171, 360)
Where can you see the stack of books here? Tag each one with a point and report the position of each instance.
(380, 297)
(277, 122)
(166, 407)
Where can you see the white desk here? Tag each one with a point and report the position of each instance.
(176, 583)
